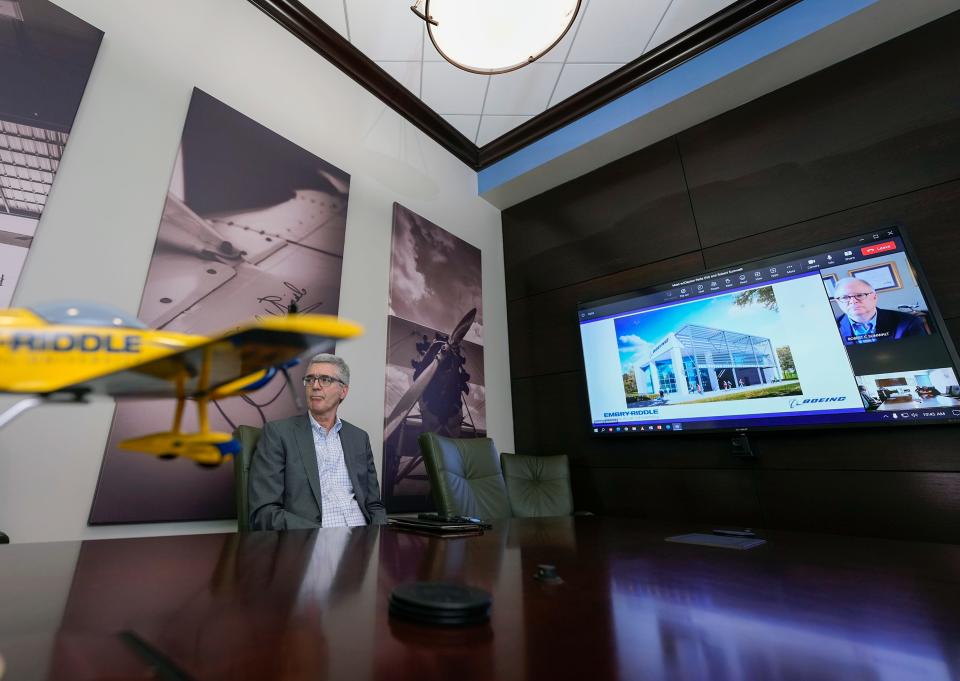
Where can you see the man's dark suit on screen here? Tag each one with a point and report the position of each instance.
(284, 492)
(890, 325)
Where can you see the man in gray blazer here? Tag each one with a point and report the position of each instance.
(315, 470)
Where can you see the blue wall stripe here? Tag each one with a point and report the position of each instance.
(775, 33)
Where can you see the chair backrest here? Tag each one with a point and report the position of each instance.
(248, 436)
(537, 485)
(465, 476)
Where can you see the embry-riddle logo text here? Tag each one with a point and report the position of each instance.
(70, 342)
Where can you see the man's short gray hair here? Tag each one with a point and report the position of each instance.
(327, 358)
(851, 280)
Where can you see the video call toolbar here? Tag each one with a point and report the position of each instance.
(851, 250)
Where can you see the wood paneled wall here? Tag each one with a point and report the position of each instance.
(868, 142)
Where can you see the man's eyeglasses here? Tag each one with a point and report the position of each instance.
(325, 381)
(853, 296)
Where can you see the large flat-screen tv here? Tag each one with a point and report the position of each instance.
(844, 333)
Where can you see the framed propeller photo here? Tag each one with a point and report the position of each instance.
(434, 373)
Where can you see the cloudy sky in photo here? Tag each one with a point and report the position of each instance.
(435, 277)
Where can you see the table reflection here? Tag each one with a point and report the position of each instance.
(709, 620)
(313, 605)
(215, 603)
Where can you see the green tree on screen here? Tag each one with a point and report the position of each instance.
(762, 296)
(785, 357)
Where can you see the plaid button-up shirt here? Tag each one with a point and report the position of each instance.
(340, 507)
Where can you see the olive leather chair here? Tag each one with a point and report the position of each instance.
(248, 437)
(537, 486)
(465, 476)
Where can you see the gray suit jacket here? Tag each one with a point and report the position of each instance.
(284, 492)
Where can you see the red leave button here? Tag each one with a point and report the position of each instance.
(879, 248)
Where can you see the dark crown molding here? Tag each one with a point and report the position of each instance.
(725, 24)
(336, 49)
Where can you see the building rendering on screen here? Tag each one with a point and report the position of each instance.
(699, 359)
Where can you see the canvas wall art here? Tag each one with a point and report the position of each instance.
(434, 373)
(252, 223)
(46, 55)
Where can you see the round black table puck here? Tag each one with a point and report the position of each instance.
(440, 604)
(547, 574)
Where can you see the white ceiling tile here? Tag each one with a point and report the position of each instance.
(385, 30)
(521, 92)
(407, 73)
(429, 51)
(466, 124)
(491, 127)
(605, 35)
(331, 12)
(682, 15)
(449, 90)
(559, 52)
(575, 77)
(616, 31)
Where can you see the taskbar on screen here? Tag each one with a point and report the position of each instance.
(898, 417)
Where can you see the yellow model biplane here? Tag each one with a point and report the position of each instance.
(71, 351)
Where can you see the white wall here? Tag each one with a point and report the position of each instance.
(98, 230)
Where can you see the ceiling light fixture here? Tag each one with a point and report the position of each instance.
(495, 36)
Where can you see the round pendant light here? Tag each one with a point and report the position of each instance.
(495, 36)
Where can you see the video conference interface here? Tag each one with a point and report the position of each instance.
(841, 333)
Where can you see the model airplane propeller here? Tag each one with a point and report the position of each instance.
(60, 352)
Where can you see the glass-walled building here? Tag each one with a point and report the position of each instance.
(700, 359)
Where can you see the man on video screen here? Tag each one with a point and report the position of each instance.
(864, 322)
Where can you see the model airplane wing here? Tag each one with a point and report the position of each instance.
(199, 369)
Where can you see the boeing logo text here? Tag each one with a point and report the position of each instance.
(794, 403)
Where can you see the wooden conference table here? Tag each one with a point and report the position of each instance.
(313, 605)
